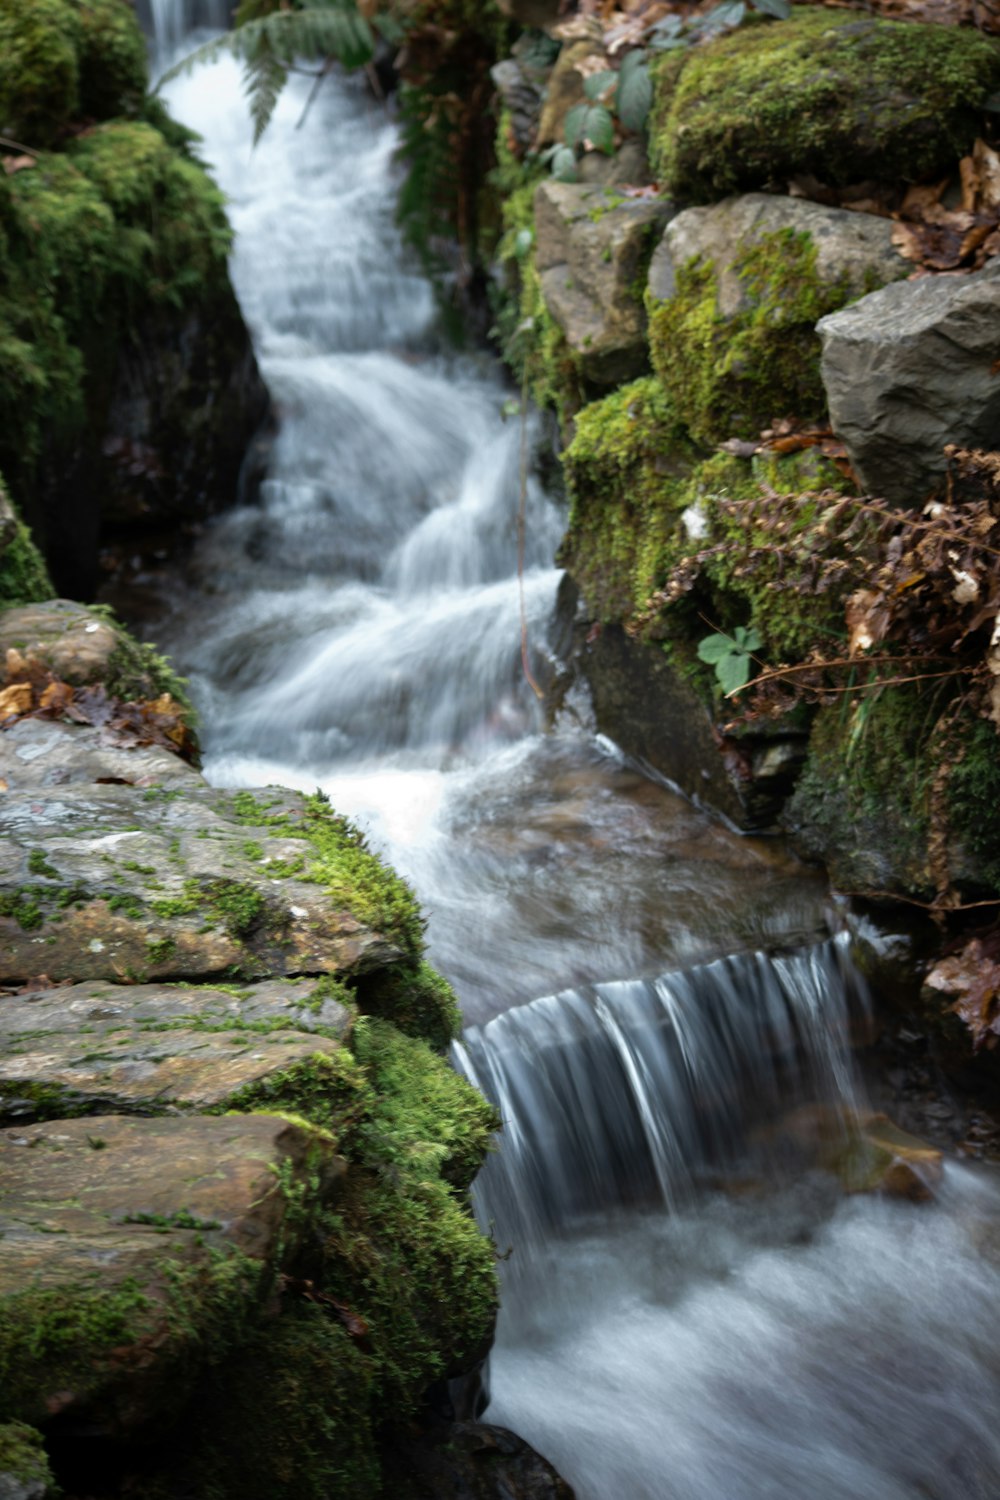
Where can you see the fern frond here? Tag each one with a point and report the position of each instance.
(268, 45)
(263, 79)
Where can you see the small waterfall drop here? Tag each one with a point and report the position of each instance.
(627, 1093)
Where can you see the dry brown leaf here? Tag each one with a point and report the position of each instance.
(12, 164)
(15, 700)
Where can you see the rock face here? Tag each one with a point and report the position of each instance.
(477, 1461)
(590, 251)
(24, 1469)
(854, 250)
(911, 368)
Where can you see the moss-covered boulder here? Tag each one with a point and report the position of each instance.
(106, 882)
(128, 390)
(162, 1049)
(735, 293)
(63, 59)
(837, 95)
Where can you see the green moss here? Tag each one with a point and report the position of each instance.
(137, 672)
(22, 1457)
(292, 1417)
(838, 95)
(973, 796)
(862, 800)
(731, 376)
(24, 906)
(92, 238)
(627, 470)
(39, 865)
(160, 950)
(342, 863)
(39, 68)
(47, 1336)
(417, 1000)
(112, 56)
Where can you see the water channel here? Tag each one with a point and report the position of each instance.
(692, 1309)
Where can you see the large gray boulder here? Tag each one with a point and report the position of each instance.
(591, 245)
(911, 368)
(854, 250)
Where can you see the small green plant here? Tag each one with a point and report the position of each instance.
(731, 656)
(676, 31)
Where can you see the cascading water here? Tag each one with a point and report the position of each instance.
(690, 1311)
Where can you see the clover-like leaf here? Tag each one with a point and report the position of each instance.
(598, 83)
(635, 94)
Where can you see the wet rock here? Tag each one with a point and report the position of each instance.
(911, 368)
(37, 753)
(159, 1049)
(854, 250)
(105, 882)
(135, 1250)
(879, 1157)
(471, 1461)
(590, 247)
(24, 1469)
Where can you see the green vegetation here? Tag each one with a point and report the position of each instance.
(731, 376)
(22, 1456)
(833, 94)
(344, 865)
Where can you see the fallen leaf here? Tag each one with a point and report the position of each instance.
(15, 700)
(12, 164)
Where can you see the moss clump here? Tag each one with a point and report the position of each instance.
(973, 794)
(417, 1000)
(730, 376)
(116, 227)
(63, 59)
(137, 672)
(627, 470)
(861, 803)
(291, 1418)
(341, 861)
(22, 1457)
(841, 96)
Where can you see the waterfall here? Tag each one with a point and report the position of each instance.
(169, 23)
(625, 1093)
(690, 1311)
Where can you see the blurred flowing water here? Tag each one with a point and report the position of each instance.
(691, 1308)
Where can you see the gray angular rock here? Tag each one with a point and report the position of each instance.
(855, 249)
(911, 368)
(590, 244)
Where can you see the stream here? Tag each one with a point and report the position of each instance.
(692, 1307)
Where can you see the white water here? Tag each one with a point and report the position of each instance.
(663, 1335)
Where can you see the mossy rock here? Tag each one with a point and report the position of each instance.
(627, 471)
(61, 60)
(643, 501)
(24, 1468)
(837, 95)
(733, 362)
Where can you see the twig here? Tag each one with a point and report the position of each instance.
(9, 145)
